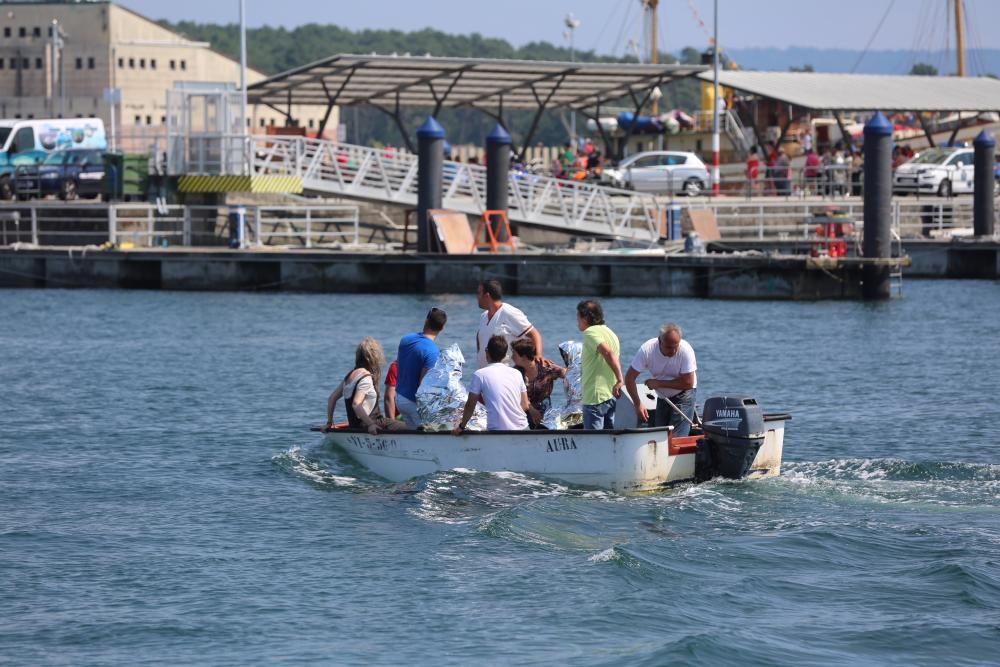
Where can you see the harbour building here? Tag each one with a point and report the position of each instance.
(58, 59)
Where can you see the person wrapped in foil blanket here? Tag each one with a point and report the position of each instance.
(571, 412)
(441, 395)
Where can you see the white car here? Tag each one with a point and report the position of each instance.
(660, 171)
(941, 171)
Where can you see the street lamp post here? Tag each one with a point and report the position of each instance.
(572, 23)
(243, 88)
(58, 71)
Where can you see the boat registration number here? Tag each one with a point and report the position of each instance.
(372, 444)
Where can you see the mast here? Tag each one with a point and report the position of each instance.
(959, 37)
(651, 6)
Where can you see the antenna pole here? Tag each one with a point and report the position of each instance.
(715, 100)
(653, 48)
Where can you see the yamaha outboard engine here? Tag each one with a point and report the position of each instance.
(734, 431)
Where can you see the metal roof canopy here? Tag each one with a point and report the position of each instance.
(489, 85)
(868, 92)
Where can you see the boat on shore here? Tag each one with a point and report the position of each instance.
(735, 441)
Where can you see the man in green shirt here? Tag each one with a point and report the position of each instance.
(602, 373)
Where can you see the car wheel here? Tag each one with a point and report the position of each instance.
(6, 191)
(68, 190)
(693, 187)
(944, 190)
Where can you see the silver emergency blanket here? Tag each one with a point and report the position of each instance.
(441, 395)
(569, 413)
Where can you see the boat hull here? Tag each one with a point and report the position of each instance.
(624, 461)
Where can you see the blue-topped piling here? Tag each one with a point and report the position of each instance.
(984, 184)
(877, 242)
(430, 170)
(498, 144)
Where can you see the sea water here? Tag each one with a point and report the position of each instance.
(162, 499)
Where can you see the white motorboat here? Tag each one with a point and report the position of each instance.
(736, 441)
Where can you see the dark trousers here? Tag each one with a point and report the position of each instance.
(667, 416)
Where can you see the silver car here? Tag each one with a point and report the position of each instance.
(660, 171)
(944, 171)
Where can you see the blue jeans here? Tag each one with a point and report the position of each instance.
(600, 416)
(667, 416)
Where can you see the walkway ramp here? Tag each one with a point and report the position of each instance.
(390, 176)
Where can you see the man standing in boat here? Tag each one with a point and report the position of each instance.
(601, 376)
(501, 319)
(417, 354)
(501, 389)
(670, 361)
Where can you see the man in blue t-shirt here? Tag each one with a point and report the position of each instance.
(417, 354)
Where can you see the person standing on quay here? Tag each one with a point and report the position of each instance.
(670, 361)
(602, 372)
(501, 319)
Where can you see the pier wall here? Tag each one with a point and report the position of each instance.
(703, 276)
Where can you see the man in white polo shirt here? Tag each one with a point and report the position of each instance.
(501, 319)
(670, 360)
(502, 391)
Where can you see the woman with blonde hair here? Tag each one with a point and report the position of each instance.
(359, 390)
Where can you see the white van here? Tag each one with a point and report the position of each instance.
(50, 134)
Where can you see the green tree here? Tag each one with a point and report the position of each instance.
(923, 69)
(804, 68)
(690, 56)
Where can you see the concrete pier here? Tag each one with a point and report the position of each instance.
(569, 274)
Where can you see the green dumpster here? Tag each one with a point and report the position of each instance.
(126, 176)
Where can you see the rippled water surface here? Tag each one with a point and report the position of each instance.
(162, 500)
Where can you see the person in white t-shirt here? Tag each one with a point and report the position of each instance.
(670, 361)
(502, 391)
(501, 319)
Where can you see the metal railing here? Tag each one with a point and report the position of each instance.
(147, 225)
(778, 219)
(320, 225)
(310, 226)
(381, 175)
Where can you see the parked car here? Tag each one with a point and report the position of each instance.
(69, 174)
(660, 171)
(9, 164)
(941, 171)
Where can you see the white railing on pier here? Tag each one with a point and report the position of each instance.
(309, 226)
(782, 219)
(388, 175)
(337, 225)
(148, 225)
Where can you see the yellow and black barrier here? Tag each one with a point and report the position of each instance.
(196, 183)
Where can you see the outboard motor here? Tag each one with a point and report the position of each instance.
(734, 432)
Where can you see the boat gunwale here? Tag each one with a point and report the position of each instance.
(539, 432)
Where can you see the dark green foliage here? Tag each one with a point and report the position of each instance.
(923, 69)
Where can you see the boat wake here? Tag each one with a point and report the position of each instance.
(463, 496)
(601, 524)
(309, 464)
(942, 484)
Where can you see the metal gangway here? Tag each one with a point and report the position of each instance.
(389, 175)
